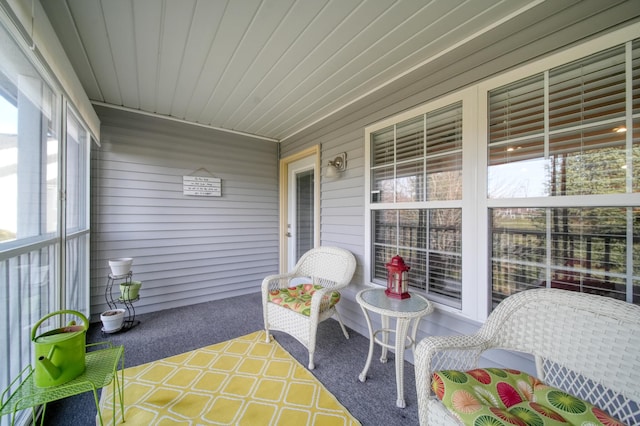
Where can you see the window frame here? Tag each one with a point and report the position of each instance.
(476, 235)
(623, 37)
(468, 99)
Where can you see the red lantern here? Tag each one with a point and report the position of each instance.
(397, 285)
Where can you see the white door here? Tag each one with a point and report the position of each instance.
(301, 208)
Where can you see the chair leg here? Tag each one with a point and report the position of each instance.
(266, 324)
(267, 338)
(311, 364)
(344, 330)
(311, 344)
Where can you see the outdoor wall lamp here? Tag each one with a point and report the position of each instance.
(338, 164)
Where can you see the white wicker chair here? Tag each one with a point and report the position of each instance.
(586, 345)
(331, 267)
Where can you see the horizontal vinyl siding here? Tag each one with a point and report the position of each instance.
(342, 208)
(186, 249)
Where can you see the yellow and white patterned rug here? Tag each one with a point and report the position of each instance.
(244, 381)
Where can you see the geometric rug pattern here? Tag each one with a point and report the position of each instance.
(243, 381)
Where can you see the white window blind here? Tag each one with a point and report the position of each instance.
(424, 149)
(565, 132)
(578, 147)
(415, 162)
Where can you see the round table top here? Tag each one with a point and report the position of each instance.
(375, 299)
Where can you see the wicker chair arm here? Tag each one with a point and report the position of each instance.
(277, 281)
(318, 299)
(435, 351)
(445, 353)
(329, 285)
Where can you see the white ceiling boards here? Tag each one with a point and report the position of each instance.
(268, 68)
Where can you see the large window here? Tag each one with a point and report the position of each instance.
(545, 192)
(416, 165)
(44, 227)
(570, 135)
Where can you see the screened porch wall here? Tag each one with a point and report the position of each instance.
(186, 249)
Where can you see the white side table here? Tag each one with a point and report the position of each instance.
(404, 311)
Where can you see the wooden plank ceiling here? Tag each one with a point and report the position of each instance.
(269, 68)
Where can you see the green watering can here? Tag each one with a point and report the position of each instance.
(59, 353)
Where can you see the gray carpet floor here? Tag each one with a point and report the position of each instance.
(338, 361)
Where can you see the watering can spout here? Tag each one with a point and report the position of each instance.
(53, 371)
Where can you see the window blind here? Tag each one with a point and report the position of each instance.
(569, 125)
(580, 148)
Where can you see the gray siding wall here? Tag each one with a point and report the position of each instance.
(343, 199)
(186, 249)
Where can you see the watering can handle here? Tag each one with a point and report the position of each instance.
(76, 313)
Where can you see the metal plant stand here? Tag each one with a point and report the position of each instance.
(127, 303)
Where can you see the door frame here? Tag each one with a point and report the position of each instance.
(313, 151)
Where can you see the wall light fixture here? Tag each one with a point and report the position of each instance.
(338, 164)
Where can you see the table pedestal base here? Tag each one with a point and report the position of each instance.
(404, 312)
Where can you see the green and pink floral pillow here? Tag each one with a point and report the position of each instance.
(495, 397)
(298, 298)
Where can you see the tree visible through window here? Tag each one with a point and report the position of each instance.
(565, 135)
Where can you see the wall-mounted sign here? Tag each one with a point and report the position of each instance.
(201, 186)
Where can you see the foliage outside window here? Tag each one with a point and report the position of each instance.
(414, 165)
(568, 139)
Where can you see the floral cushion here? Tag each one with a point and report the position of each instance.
(298, 298)
(492, 396)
